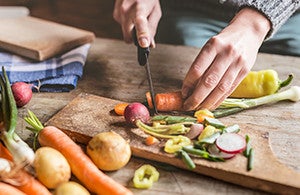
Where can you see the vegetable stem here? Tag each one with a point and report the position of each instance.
(233, 105)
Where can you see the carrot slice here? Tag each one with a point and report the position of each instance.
(150, 140)
(120, 108)
(171, 101)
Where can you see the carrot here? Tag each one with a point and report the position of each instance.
(120, 108)
(4, 153)
(22, 180)
(81, 165)
(7, 189)
(151, 140)
(171, 101)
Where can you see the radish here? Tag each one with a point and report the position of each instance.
(136, 111)
(195, 130)
(231, 143)
(22, 93)
(215, 152)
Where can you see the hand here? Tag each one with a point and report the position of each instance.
(143, 15)
(224, 61)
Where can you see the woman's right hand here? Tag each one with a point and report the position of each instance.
(144, 15)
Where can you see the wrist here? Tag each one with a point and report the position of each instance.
(253, 20)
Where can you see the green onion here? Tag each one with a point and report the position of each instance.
(21, 152)
(232, 105)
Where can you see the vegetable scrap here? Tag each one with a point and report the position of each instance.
(145, 176)
(214, 142)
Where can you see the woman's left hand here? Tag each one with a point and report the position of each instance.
(224, 61)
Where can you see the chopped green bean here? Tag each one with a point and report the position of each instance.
(250, 159)
(186, 159)
(214, 122)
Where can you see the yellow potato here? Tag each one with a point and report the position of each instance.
(51, 167)
(70, 188)
(109, 151)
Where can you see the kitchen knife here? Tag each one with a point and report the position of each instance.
(143, 55)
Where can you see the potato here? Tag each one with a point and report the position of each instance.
(70, 188)
(109, 151)
(51, 167)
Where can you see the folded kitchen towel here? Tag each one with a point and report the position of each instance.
(57, 74)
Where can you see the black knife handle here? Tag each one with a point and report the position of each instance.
(142, 53)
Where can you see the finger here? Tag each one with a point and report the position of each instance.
(199, 66)
(116, 12)
(142, 31)
(222, 90)
(126, 30)
(240, 76)
(153, 20)
(208, 81)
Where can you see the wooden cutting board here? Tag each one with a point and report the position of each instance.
(40, 39)
(88, 114)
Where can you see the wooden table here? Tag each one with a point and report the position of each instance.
(112, 71)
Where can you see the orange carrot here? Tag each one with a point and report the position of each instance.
(165, 102)
(150, 140)
(120, 108)
(81, 165)
(23, 181)
(7, 189)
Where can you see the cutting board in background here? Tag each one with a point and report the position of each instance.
(40, 39)
(87, 115)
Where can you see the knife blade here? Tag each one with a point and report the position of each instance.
(143, 59)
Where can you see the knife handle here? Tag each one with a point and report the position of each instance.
(142, 53)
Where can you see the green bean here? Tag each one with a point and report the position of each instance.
(186, 159)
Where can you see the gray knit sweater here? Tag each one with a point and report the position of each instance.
(277, 11)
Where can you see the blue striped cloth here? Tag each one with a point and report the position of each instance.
(57, 74)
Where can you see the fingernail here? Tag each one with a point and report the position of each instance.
(144, 42)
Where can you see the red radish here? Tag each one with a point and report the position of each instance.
(215, 152)
(136, 111)
(22, 93)
(231, 143)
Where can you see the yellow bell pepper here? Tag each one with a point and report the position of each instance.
(260, 83)
(145, 176)
(176, 143)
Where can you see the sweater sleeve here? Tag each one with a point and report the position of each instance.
(277, 11)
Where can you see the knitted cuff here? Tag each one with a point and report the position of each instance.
(277, 12)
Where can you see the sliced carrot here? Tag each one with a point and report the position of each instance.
(151, 140)
(149, 100)
(8, 189)
(24, 181)
(120, 108)
(171, 101)
(81, 165)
